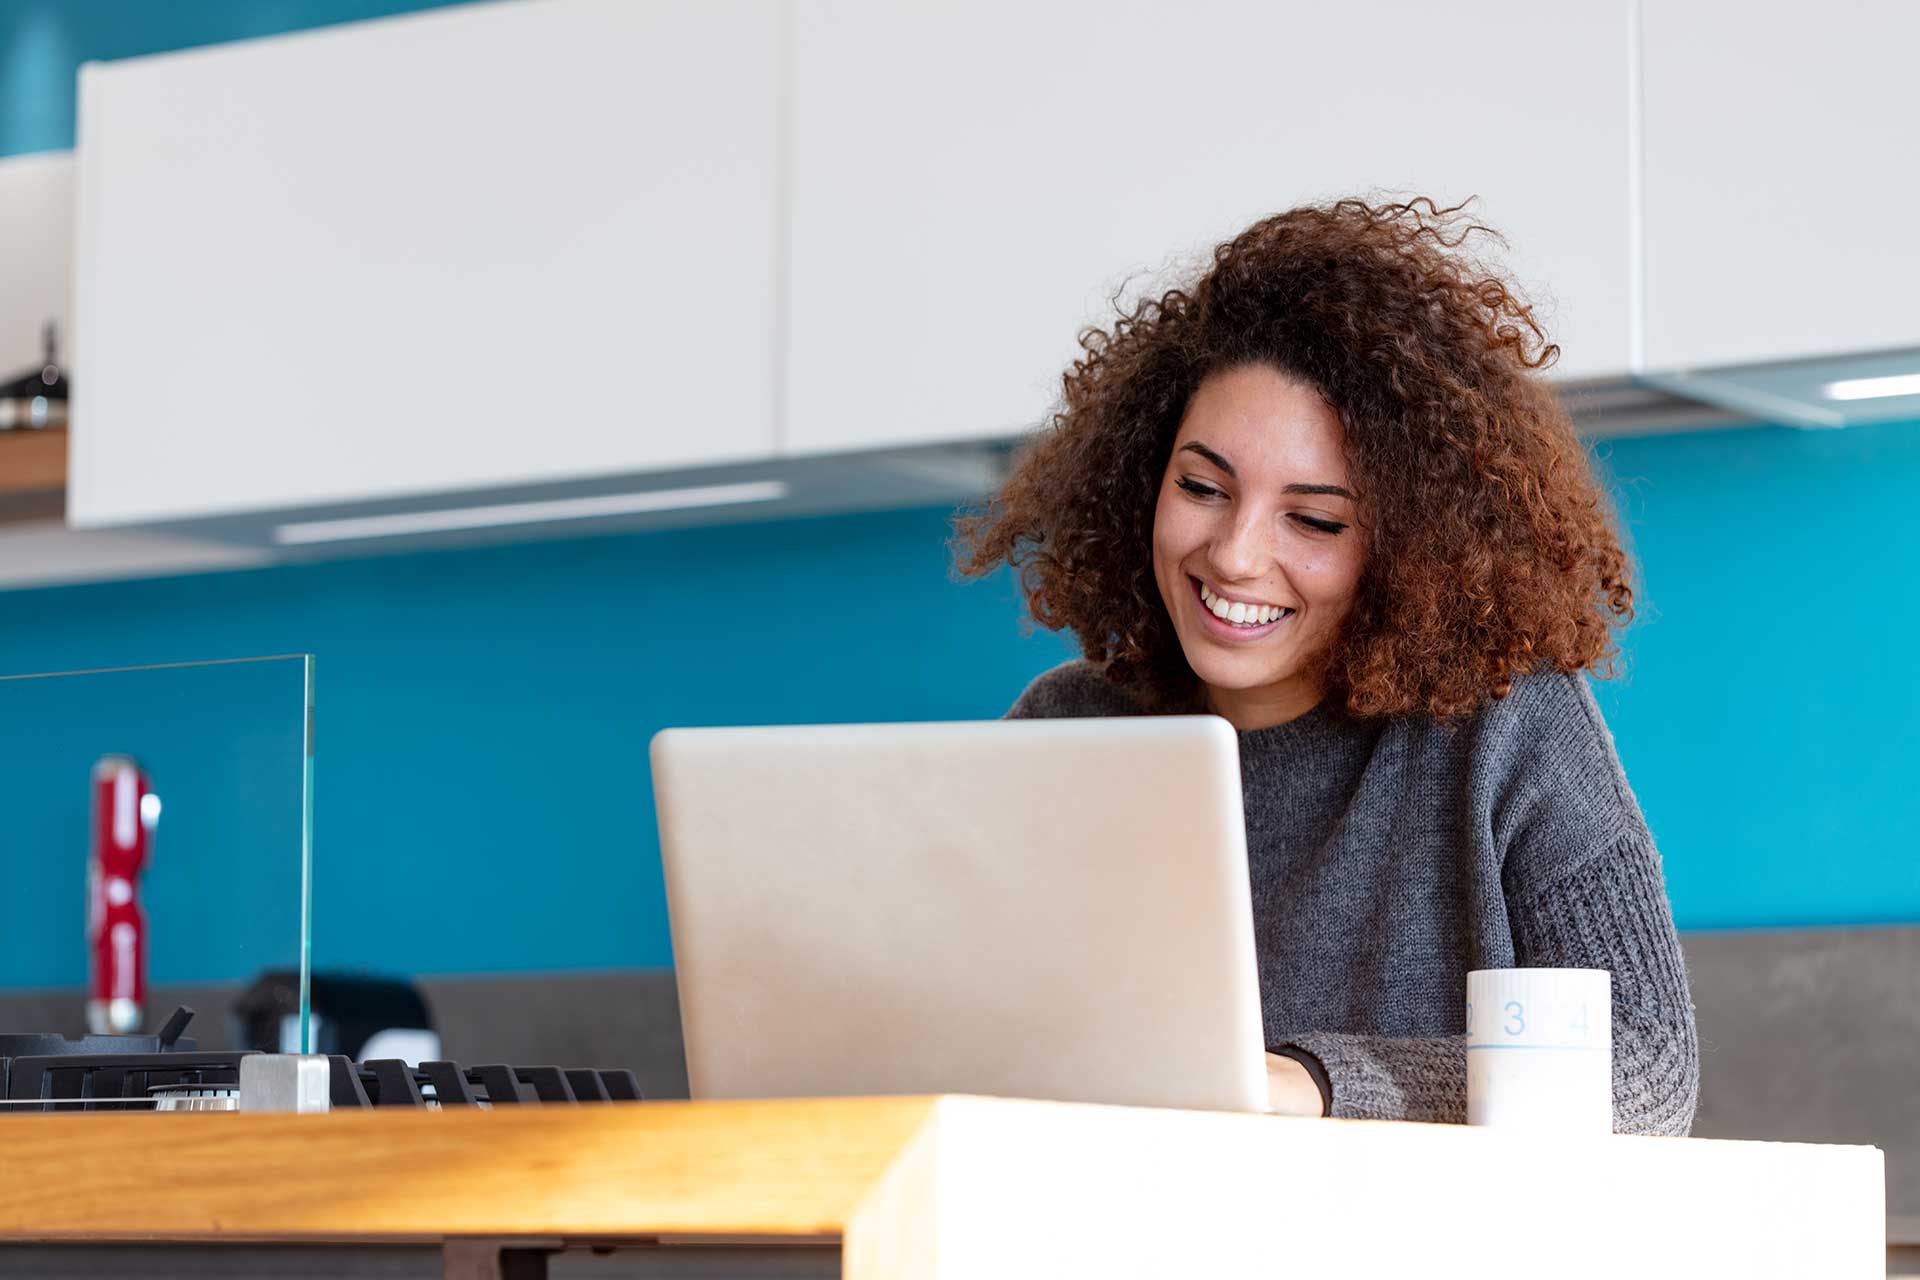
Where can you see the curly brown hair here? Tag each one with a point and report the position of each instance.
(1492, 551)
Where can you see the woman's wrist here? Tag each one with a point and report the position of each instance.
(1297, 1083)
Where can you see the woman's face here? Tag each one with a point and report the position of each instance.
(1257, 519)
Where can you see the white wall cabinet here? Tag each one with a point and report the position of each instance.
(36, 257)
(573, 242)
(1781, 180)
(489, 245)
(971, 178)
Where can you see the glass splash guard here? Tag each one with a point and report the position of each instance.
(157, 848)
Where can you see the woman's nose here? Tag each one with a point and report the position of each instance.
(1241, 549)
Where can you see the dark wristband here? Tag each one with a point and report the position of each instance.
(1315, 1068)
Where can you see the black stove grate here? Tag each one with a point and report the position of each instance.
(41, 1073)
(111, 1081)
(128, 1082)
(392, 1083)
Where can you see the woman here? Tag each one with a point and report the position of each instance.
(1321, 493)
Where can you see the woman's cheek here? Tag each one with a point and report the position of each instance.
(1166, 524)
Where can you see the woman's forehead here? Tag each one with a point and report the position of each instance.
(1265, 426)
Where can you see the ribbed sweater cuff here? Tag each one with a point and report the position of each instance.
(1389, 1077)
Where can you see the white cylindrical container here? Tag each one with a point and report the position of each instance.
(1540, 1049)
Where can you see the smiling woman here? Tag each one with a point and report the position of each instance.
(1254, 547)
(1490, 549)
(1322, 493)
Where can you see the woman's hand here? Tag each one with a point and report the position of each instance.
(1290, 1088)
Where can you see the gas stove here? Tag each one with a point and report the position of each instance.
(165, 1072)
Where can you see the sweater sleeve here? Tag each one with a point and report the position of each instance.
(1387, 1077)
(1584, 890)
(1610, 913)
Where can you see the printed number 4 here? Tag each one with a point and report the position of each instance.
(1518, 1013)
(1579, 1022)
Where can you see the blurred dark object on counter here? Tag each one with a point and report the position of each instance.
(37, 399)
(33, 442)
(356, 1016)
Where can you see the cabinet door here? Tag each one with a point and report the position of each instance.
(1781, 180)
(971, 180)
(474, 247)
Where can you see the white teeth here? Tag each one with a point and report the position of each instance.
(1246, 615)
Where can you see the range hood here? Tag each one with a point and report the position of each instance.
(1826, 391)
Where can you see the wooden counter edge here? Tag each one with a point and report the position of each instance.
(787, 1168)
(900, 1181)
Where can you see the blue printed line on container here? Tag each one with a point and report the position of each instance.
(1578, 1048)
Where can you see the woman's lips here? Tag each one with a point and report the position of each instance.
(1228, 631)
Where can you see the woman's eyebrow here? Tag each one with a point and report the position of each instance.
(1331, 490)
(1194, 446)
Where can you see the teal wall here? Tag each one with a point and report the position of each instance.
(483, 799)
(1770, 721)
(482, 793)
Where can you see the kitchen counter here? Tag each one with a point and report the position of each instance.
(953, 1186)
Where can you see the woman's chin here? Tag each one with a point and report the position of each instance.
(1238, 672)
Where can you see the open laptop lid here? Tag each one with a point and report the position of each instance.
(1031, 908)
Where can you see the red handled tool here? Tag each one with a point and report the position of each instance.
(124, 813)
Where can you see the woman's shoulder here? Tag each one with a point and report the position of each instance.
(1071, 690)
(1549, 726)
(1548, 705)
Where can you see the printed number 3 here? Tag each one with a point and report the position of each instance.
(1519, 1016)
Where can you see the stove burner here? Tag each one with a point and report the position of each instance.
(194, 1098)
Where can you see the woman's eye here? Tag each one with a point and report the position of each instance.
(1319, 525)
(1197, 489)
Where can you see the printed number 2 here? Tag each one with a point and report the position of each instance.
(1519, 1015)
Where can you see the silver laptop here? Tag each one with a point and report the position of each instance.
(1024, 908)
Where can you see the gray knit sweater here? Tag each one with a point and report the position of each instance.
(1389, 857)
